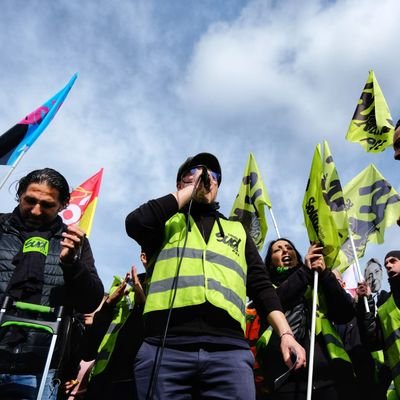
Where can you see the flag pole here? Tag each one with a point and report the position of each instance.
(264, 249)
(13, 167)
(274, 222)
(312, 337)
(360, 277)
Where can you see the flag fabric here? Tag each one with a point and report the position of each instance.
(318, 218)
(333, 193)
(249, 203)
(350, 278)
(372, 205)
(83, 202)
(372, 124)
(21, 136)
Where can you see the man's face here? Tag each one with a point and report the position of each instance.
(39, 205)
(373, 273)
(392, 265)
(201, 194)
(396, 144)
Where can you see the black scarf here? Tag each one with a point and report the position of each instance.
(203, 209)
(204, 214)
(280, 275)
(26, 283)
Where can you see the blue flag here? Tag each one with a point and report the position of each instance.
(21, 137)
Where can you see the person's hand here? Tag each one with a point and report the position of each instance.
(315, 259)
(194, 189)
(140, 297)
(289, 346)
(71, 245)
(69, 385)
(186, 189)
(363, 289)
(120, 291)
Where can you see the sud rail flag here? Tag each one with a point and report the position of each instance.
(83, 202)
(333, 193)
(249, 203)
(372, 205)
(318, 218)
(17, 140)
(372, 124)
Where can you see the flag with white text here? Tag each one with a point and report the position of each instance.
(372, 124)
(372, 205)
(318, 218)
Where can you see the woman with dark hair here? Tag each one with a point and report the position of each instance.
(293, 280)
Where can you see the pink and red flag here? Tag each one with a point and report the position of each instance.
(83, 202)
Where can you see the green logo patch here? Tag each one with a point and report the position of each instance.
(37, 244)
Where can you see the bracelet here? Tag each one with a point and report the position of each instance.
(286, 333)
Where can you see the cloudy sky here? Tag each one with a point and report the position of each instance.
(162, 80)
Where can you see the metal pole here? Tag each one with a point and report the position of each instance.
(312, 338)
(13, 167)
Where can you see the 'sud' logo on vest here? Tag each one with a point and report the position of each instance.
(231, 240)
(36, 244)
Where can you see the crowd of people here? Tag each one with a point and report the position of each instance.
(209, 319)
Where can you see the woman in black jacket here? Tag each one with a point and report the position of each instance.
(293, 280)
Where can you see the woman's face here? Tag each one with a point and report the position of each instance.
(283, 254)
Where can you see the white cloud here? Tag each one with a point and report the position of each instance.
(159, 82)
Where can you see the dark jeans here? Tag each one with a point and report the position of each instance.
(196, 374)
(21, 387)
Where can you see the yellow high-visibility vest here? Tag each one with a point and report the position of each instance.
(389, 316)
(215, 271)
(107, 345)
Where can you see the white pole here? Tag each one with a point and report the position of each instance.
(274, 222)
(312, 337)
(13, 168)
(264, 249)
(360, 277)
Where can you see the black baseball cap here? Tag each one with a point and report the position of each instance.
(206, 159)
(393, 253)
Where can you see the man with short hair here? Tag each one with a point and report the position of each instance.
(382, 331)
(202, 265)
(43, 262)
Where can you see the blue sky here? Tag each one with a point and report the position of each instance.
(162, 80)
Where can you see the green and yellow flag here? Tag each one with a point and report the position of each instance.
(372, 205)
(333, 194)
(318, 218)
(372, 124)
(249, 203)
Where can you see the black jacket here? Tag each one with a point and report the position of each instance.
(146, 226)
(77, 287)
(370, 327)
(291, 289)
(371, 330)
(119, 367)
